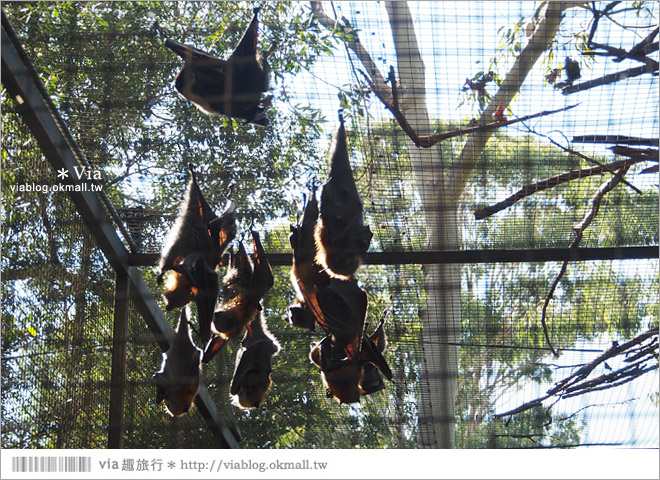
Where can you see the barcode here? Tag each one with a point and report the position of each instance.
(51, 464)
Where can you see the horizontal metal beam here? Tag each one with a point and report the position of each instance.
(427, 257)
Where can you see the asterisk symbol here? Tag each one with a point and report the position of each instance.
(171, 465)
(63, 173)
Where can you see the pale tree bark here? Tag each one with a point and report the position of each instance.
(441, 317)
(440, 196)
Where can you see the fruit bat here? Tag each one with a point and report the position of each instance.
(340, 308)
(572, 69)
(305, 271)
(177, 382)
(244, 285)
(252, 375)
(373, 362)
(192, 250)
(340, 375)
(342, 238)
(231, 87)
(347, 377)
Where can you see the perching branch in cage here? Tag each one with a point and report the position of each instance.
(640, 356)
(579, 232)
(552, 182)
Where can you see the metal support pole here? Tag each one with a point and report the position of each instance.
(118, 372)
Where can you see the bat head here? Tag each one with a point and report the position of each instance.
(253, 390)
(340, 376)
(370, 379)
(178, 290)
(343, 383)
(178, 398)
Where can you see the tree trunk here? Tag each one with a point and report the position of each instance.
(441, 317)
(440, 197)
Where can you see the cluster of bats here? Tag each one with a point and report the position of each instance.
(329, 244)
(196, 246)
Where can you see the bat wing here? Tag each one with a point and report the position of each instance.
(300, 316)
(223, 229)
(247, 46)
(186, 51)
(370, 353)
(370, 379)
(343, 305)
(189, 234)
(262, 275)
(378, 337)
(204, 280)
(255, 359)
(302, 235)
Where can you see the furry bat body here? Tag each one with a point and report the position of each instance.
(342, 238)
(305, 271)
(347, 376)
(244, 285)
(252, 375)
(193, 249)
(177, 382)
(231, 87)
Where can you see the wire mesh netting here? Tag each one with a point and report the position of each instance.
(111, 79)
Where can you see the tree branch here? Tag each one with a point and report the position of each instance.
(350, 37)
(611, 78)
(552, 182)
(569, 386)
(538, 43)
(618, 139)
(427, 141)
(579, 231)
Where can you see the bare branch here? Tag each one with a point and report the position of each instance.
(350, 37)
(551, 182)
(579, 231)
(590, 160)
(618, 139)
(430, 140)
(611, 78)
(570, 386)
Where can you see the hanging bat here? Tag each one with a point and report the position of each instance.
(373, 362)
(262, 273)
(177, 382)
(244, 285)
(340, 375)
(231, 87)
(342, 238)
(340, 308)
(193, 249)
(252, 375)
(572, 69)
(305, 271)
(346, 377)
